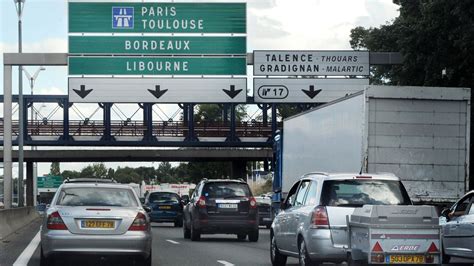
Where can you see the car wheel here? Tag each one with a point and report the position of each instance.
(253, 236)
(241, 236)
(43, 260)
(178, 223)
(147, 261)
(186, 232)
(303, 255)
(276, 257)
(446, 258)
(195, 233)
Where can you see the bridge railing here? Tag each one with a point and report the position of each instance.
(138, 128)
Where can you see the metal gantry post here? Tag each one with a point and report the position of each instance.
(7, 136)
(65, 105)
(107, 121)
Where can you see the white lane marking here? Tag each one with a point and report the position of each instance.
(172, 242)
(25, 256)
(226, 263)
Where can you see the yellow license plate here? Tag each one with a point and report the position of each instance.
(97, 224)
(165, 207)
(414, 259)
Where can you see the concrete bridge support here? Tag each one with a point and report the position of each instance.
(29, 184)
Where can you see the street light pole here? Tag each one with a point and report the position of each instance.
(32, 80)
(19, 4)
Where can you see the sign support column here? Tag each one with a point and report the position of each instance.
(7, 136)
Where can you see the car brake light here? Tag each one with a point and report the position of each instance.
(319, 218)
(139, 224)
(377, 247)
(363, 177)
(433, 248)
(55, 222)
(202, 202)
(253, 203)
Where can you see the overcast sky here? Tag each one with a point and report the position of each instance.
(272, 24)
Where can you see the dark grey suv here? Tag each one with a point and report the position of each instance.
(221, 207)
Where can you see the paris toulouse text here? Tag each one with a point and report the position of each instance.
(166, 19)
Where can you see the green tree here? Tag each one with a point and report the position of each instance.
(54, 169)
(70, 174)
(127, 175)
(96, 170)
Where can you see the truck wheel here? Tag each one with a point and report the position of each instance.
(253, 236)
(276, 257)
(303, 256)
(352, 262)
(195, 233)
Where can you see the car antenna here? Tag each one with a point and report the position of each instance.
(362, 165)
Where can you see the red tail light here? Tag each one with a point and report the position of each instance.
(433, 248)
(202, 202)
(377, 247)
(320, 217)
(253, 203)
(139, 224)
(55, 222)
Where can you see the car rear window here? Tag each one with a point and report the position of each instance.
(163, 197)
(97, 196)
(355, 193)
(226, 190)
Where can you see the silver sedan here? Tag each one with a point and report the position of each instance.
(95, 219)
(458, 229)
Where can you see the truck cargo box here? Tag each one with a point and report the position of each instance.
(420, 134)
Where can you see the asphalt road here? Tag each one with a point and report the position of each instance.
(169, 248)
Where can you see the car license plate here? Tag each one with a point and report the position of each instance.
(165, 207)
(227, 205)
(97, 224)
(412, 259)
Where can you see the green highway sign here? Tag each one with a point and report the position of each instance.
(157, 45)
(126, 17)
(49, 181)
(135, 65)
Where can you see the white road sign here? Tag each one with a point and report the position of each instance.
(158, 90)
(288, 90)
(311, 63)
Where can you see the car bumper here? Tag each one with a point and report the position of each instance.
(226, 226)
(165, 216)
(131, 243)
(321, 247)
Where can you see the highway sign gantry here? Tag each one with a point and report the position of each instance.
(137, 65)
(292, 90)
(311, 63)
(165, 45)
(126, 17)
(158, 90)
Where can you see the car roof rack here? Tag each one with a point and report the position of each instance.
(89, 180)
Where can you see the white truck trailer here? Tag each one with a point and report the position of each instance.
(420, 134)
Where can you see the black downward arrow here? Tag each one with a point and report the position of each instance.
(157, 92)
(232, 92)
(311, 92)
(82, 92)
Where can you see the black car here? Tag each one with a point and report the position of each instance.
(265, 211)
(221, 207)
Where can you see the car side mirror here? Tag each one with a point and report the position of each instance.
(146, 208)
(185, 199)
(283, 205)
(47, 206)
(445, 212)
(142, 200)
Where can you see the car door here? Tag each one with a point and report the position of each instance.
(458, 232)
(280, 228)
(295, 217)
